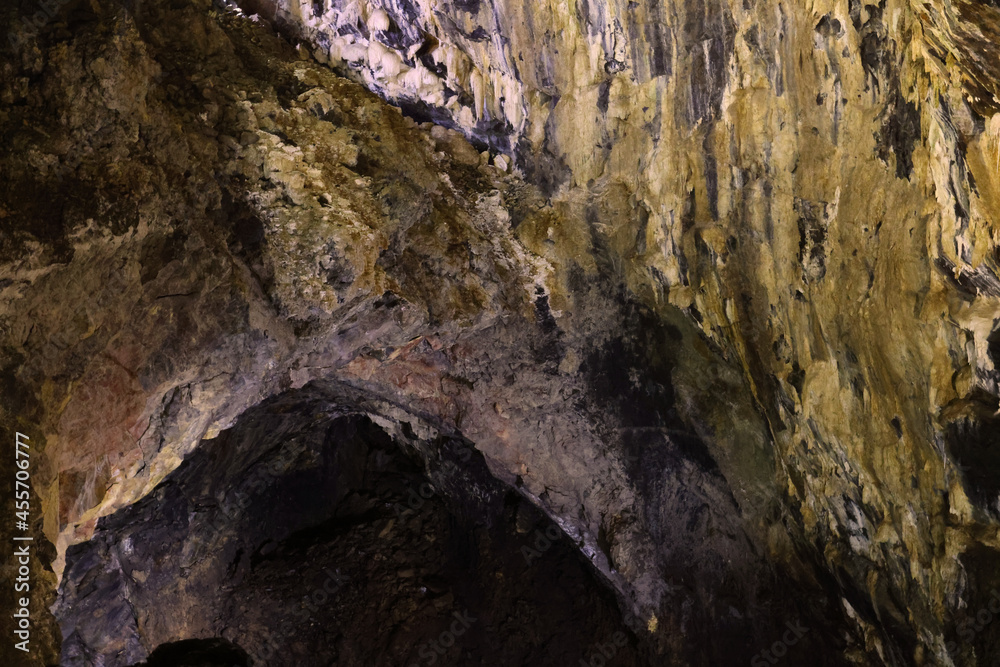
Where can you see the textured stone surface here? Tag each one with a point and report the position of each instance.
(307, 537)
(816, 185)
(722, 305)
(242, 222)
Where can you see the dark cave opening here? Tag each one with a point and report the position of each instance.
(755, 456)
(198, 653)
(307, 535)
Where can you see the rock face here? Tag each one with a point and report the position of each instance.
(289, 525)
(717, 307)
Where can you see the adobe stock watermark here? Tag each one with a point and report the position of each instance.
(22, 542)
(604, 653)
(542, 543)
(47, 10)
(779, 649)
(232, 508)
(414, 501)
(970, 627)
(425, 491)
(430, 652)
(235, 505)
(272, 643)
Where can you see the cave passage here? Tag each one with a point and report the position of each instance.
(406, 332)
(306, 535)
(197, 653)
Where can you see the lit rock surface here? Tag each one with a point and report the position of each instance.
(816, 186)
(721, 303)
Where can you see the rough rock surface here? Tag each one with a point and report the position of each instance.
(722, 306)
(816, 185)
(317, 541)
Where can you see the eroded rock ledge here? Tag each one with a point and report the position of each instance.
(721, 308)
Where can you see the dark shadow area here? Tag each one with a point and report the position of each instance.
(197, 653)
(974, 443)
(308, 536)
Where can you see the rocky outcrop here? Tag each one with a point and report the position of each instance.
(226, 220)
(713, 287)
(816, 187)
(310, 540)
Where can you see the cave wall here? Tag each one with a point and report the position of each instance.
(816, 186)
(197, 217)
(305, 535)
(720, 301)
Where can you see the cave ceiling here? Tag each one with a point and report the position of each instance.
(486, 332)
